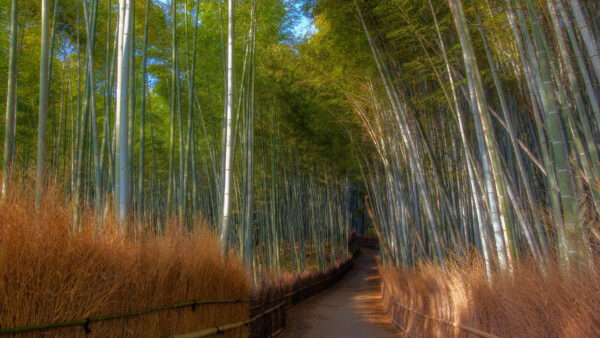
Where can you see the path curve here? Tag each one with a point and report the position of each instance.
(351, 308)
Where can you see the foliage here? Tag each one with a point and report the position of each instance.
(54, 274)
(526, 304)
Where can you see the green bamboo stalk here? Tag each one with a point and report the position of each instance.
(122, 181)
(588, 38)
(132, 107)
(249, 219)
(592, 94)
(408, 141)
(465, 143)
(558, 146)
(60, 124)
(43, 105)
(9, 136)
(171, 178)
(228, 162)
(141, 164)
(487, 145)
(514, 143)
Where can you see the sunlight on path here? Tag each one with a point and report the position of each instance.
(352, 308)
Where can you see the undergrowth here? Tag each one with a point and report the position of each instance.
(50, 272)
(525, 303)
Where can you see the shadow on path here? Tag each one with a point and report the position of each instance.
(351, 308)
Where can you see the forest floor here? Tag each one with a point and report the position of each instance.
(351, 308)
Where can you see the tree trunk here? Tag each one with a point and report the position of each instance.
(43, 106)
(9, 136)
(141, 164)
(228, 165)
(122, 118)
(250, 151)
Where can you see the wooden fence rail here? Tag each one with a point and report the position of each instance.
(394, 302)
(87, 321)
(262, 322)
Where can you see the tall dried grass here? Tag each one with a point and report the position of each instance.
(52, 273)
(524, 304)
(291, 288)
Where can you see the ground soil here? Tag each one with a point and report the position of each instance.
(351, 308)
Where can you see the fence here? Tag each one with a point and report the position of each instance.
(85, 322)
(392, 305)
(267, 314)
(273, 323)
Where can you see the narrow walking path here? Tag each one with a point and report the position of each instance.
(352, 308)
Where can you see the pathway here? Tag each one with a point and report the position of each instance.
(351, 308)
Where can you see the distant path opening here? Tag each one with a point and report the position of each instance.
(351, 308)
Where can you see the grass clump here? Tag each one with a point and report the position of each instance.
(50, 272)
(525, 303)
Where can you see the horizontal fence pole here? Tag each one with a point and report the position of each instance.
(342, 269)
(276, 333)
(448, 322)
(85, 322)
(225, 327)
(193, 303)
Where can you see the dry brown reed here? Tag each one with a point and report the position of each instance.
(290, 288)
(524, 304)
(276, 284)
(50, 272)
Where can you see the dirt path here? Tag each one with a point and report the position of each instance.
(351, 308)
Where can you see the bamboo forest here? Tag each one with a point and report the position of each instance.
(302, 168)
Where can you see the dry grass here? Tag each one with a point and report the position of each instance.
(276, 284)
(526, 304)
(290, 288)
(273, 284)
(51, 273)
